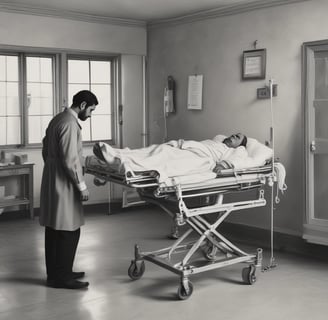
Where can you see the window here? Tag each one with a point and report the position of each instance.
(10, 110)
(31, 94)
(24, 117)
(40, 96)
(93, 75)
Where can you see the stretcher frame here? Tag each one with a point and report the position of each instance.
(218, 250)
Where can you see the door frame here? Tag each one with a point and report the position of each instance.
(314, 230)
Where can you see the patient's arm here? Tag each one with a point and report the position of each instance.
(222, 165)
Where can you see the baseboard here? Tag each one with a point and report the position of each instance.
(282, 242)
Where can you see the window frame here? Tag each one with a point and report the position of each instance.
(20, 103)
(60, 85)
(55, 76)
(96, 57)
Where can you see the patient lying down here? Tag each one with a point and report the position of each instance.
(180, 157)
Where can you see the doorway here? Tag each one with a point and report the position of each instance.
(315, 89)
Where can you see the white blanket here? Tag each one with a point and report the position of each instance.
(178, 158)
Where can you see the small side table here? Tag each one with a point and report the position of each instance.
(25, 172)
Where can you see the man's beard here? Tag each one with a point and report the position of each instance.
(82, 116)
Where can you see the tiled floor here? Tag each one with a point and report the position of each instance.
(296, 289)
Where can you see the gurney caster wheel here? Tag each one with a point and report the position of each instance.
(248, 274)
(136, 271)
(211, 253)
(184, 292)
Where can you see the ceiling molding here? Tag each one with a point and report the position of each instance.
(70, 15)
(219, 12)
(197, 16)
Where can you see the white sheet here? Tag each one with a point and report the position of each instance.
(178, 158)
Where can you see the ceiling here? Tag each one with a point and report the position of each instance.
(143, 10)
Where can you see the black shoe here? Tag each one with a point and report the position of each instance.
(70, 284)
(78, 275)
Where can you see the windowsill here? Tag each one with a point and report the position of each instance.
(91, 143)
(39, 145)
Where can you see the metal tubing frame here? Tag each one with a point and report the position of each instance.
(192, 217)
(206, 232)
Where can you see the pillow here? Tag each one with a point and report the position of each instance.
(258, 151)
(255, 149)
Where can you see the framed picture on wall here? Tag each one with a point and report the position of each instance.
(254, 64)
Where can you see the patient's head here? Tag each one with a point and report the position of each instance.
(235, 140)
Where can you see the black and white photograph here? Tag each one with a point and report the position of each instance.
(163, 160)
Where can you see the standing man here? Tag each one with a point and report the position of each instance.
(63, 190)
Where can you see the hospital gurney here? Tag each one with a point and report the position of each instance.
(193, 204)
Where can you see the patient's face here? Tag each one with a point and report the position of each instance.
(234, 140)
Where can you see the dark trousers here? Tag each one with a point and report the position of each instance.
(60, 249)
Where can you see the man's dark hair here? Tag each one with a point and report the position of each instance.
(87, 96)
(244, 142)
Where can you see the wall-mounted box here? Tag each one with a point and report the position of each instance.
(264, 93)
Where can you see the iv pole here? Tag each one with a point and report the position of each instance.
(272, 259)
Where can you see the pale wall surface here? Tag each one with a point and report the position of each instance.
(35, 31)
(213, 47)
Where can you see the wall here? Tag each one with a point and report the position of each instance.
(47, 32)
(132, 115)
(213, 47)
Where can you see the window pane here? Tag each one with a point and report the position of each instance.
(39, 69)
(9, 95)
(75, 88)
(46, 106)
(33, 98)
(99, 82)
(40, 96)
(44, 125)
(101, 127)
(34, 105)
(12, 99)
(37, 128)
(103, 94)
(46, 90)
(3, 102)
(33, 69)
(46, 100)
(86, 136)
(34, 90)
(78, 71)
(40, 99)
(2, 89)
(34, 129)
(13, 130)
(3, 109)
(100, 72)
(46, 70)
(39, 77)
(3, 130)
(12, 68)
(2, 68)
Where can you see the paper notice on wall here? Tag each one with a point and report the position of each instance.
(253, 66)
(195, 92)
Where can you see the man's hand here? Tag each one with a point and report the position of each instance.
(222, 165)
(84, 195)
